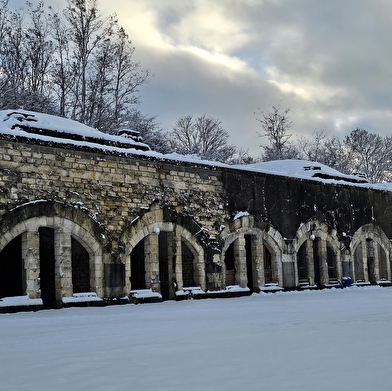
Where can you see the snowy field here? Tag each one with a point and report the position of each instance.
(320, 340)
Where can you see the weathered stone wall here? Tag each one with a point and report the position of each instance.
(105, 194)
(113, 190)
(109, 202)
(287, 202)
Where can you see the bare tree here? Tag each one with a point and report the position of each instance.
(76, 60)
(13, 59)
(106, 79)
(312, 149)
(62, 67)
(4, 20)
(275, 126)
(203, 136)
(127, 77)
(371, 154)
(184, 138)
(150, 131)
(335, 154)
(39, 50)
(86, 24)
(242, 157)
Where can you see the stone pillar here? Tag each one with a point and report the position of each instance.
(258, 257)
(97, 274)
(365, 265)
(310, 260)
(376, 264)
(387, 260)
(323, 261)
(200, 271)
(178, 263)
(277, 268)
(339, 265)
(171, 255)
(30, 254)
(240, 262)
(147, 274)
(63, 263)
(152, 262)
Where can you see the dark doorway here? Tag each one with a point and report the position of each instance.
(138, 270)
(358, 263)
(12, 276)
(267, 260)
(80, 267)
(382, 263)
(230, 265)
(187, 266)
(164, 265)
(331, 261)
(370, 260)
(249, 261)
(302, 264)
(47, 267)
(316, 258)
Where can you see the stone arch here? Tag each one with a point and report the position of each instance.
(164, 235)
(370, 251)
(316, 246)
(250, 249)
(35, 221)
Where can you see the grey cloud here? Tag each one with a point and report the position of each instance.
(336, 51)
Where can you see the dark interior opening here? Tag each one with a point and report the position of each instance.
(80, 267)
(187, 266)
(164, 265)
(138, 270)
(12, 276)
(230, 265)
(249, 261)
(47, 267)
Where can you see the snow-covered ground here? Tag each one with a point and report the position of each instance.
(312, 340)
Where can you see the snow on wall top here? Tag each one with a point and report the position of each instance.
(304, 169)
(49, 128)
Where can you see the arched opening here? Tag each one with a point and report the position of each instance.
(80, 261)
(138, 269)
(371, 249)
(164, 257)
(57, 257)
(12, 272)
(166, 261)
(370, 257)
(365, 261)
(252, 259)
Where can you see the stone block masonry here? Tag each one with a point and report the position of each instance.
(77, 219)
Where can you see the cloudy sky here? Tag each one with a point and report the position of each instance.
(329, 61)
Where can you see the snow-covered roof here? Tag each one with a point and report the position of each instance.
(47, 127)
(304, 169)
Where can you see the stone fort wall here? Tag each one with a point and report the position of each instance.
(141, 221)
